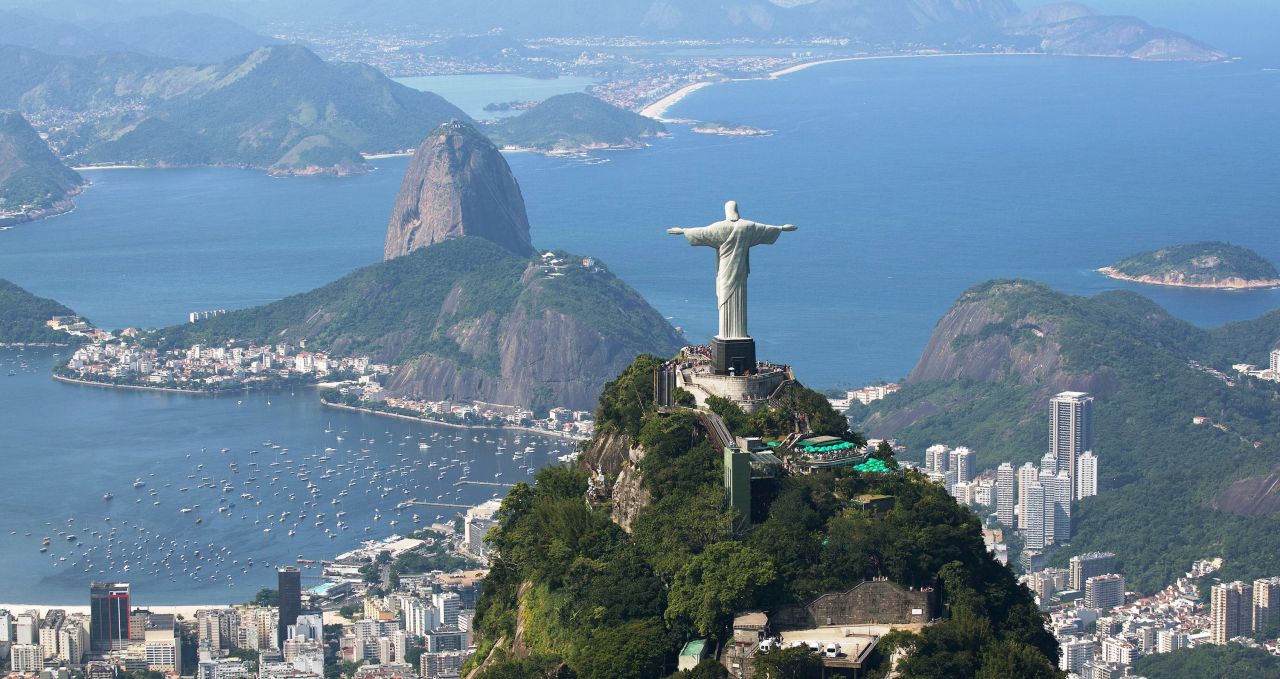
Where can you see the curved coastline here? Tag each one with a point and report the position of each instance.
(658, 109)
(1242, 284)
(132, 387)
(455, 425)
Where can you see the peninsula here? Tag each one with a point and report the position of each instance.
(1212, 264)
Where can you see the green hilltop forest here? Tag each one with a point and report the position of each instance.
(571, 594)
(572, 122)
(468, 307)
(279, 107)
(31, 177)
(1208, 264)
(23, 316)
(1169, 491)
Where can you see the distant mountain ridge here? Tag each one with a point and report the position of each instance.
(180, 35)
(33, 182)
(280, 108)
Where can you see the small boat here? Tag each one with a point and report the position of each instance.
(107, 496)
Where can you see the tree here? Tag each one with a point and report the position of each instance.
(1015, 659)
(797, 662)
(349, 611)
(707, 669)
(631, 651)
(718, 582)
(884, 453)
(266, 597)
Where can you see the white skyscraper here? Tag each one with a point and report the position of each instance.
(1058, 502)
(937, 458)
(1070, 428)
(962, 464)
(1032, 519)
(1005, 480)
(1086, 475)
(1049, 463)
(1275, 361)
(1027, 475)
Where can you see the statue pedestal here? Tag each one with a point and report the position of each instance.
(733, 356)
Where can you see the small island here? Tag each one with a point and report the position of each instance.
(1213, 265)
(727, 129)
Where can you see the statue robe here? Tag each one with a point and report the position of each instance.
(733, 241)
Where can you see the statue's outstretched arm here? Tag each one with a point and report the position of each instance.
(784, 227)
(676, 231)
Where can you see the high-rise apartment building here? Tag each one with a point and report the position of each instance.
(1275, 361)
(937, 458)
(1075, 653)
(1170, 640)
(1070, 428)
(1104, 591)
(1266, 603)
(108, 616)
(1027, 475)
(1086, 481)
(289, 582)
(1006, 481)
(1086, 566)
(1032, 520)
(1231, 605)
(1057, 512)
(961, 462)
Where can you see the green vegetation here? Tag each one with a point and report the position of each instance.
(396, 310)
(1209, 662)
(566, 571)
(23, 316)
(266, 597)
(31, 176)
(1207, 263)
(570, 122)
(1157, 469)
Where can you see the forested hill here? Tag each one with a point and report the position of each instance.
(575, 122)
(465, 319)
(1170, 491)
(23, 316)
(1202, 265)
(33, 182)
(573, 594)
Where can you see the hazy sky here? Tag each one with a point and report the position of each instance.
(1246, 28)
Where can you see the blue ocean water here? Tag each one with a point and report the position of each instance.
(910, 180)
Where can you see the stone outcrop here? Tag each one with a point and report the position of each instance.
(458, 184)
(34, 183)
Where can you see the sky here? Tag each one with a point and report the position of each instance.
(1244, 28)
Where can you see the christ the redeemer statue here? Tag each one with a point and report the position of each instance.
(733, 239)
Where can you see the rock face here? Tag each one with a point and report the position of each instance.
(1073, 29)
(458, 184)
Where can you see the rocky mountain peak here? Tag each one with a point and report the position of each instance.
(458, 184)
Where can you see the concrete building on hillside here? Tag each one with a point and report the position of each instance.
(1086, 475)
(1231, 605)
(1006, 482)
(1104, 591)
(1070, 428)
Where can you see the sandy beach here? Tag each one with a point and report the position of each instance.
(658, 109)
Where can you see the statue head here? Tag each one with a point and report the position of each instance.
(731, 211)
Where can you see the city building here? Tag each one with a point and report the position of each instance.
(937, 458)
(108, 616)
(1070, 428)
(161, 645)
(1032, 521)
(442, 664)
(476, 525)
(961, 461)
(1231, 605)
(1086, 475)
(1027, 475)
(1266, 603)
(1005, 484)
(1169, 640)
(1104, 591)
(1086, 566)
(1118, 650)
(1057, 522)
(289, 582)
(1075, 653)
(26, 658)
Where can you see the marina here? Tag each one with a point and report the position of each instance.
(198, 505)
